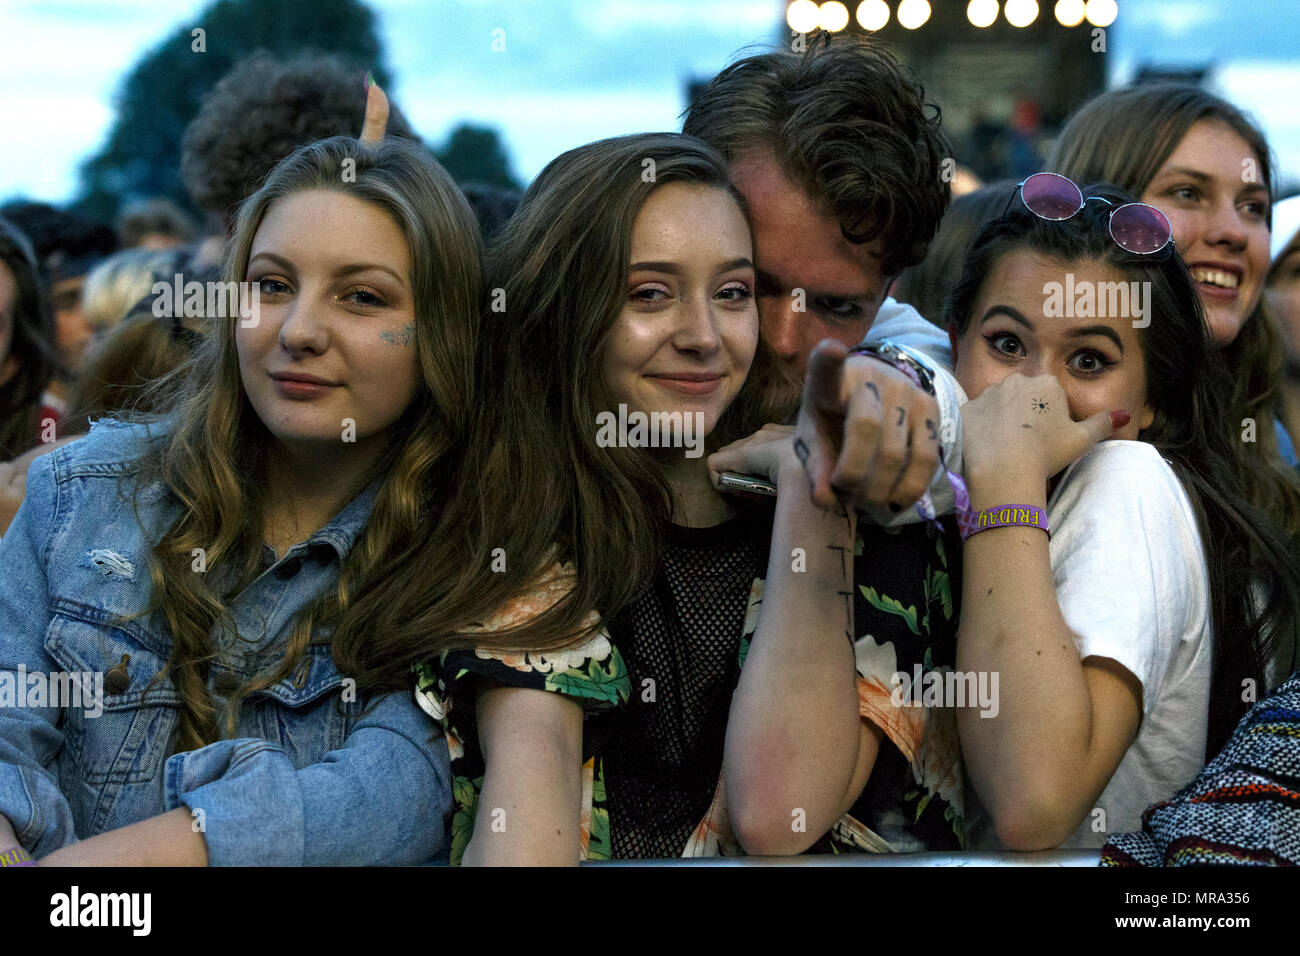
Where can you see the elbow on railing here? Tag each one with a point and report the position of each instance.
(769, 828)
(1032, 824)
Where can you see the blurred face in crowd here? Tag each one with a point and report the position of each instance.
(688, 330)
(1210, 188)
(798, 245)
(73, 331)
(1097, 360)
(1283, 294)
(336, 306)
(8, 297)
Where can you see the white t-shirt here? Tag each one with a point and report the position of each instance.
(1133, 586)
(1145, 607)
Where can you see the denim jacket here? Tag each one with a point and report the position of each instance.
(313, 775)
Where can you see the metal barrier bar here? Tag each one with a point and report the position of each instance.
(1007, 858)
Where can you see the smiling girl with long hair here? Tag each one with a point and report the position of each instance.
(217, 566)
(653, 668)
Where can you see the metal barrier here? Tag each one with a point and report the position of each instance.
(1007, 858)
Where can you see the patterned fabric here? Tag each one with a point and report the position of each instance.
(913, 800)
(652, 745)
(1244, 808)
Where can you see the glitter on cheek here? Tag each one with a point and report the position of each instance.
(404, 337)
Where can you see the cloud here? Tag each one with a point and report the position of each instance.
(539, 125)
(570, 72)
(576, 45)
(573, 70)
(1266, 90)
(683, 16)
(60, 65)
(1204, 31)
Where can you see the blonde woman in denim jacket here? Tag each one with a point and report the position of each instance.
(185, 673)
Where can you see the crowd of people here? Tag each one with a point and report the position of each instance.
(360, 577)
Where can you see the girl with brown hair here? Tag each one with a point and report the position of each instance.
(598, 689)
(215, 568)
(1108, 575)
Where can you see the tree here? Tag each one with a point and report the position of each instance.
(475, 154)
(162, 92)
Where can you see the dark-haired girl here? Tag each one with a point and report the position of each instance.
(1209, 168)
(1144, 619)
(653, 668)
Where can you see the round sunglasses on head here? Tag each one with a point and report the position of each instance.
(1135, 226)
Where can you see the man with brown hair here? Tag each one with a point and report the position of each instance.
(841, 161)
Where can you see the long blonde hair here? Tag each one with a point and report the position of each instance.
(211, 460)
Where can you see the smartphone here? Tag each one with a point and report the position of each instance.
(734, 482)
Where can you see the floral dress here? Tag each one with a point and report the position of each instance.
(656, 681)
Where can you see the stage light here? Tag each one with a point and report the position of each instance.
(873, 14)
(833, 16)
(1021, 13)
(982, 13)
(1069, 13)
(802, 16)
(1101, 13)
(913, 13)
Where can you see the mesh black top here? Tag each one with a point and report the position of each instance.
(681, 644)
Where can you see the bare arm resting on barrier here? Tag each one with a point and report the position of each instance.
(797, 754)
(165, 840)
(528, 811)
(7, 836)
(1063, 724)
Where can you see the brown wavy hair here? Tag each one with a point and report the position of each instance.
(1124, 137)
(848, 124)
(218, 442)
(31, 341)
(536, 484)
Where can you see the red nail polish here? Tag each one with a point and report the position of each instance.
(1119, 419)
